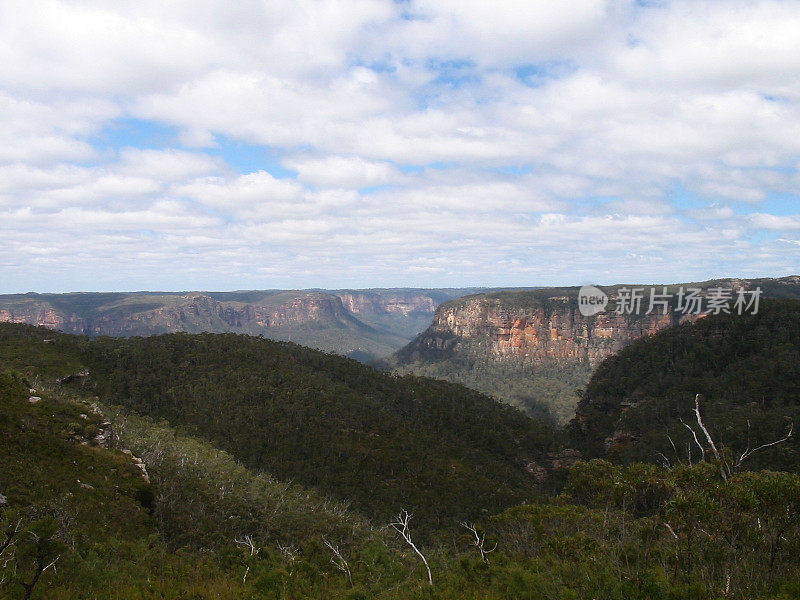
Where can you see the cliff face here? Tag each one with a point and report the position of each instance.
(528, 328)
(551, 329)
(366, 324)
(198, 312)
(188, 312)
(361, 303)
(45, 315)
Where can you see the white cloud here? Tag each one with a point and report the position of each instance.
(518, 142)
(775, 222)
(343, 171)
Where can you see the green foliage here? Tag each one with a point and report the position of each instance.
(545, 391)
(745, 367)
(641, 531)
(207, 525)
(205, 498)
(379, 441)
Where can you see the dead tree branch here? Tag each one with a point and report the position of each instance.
(479, 541)
(339, 560)
(400, 525)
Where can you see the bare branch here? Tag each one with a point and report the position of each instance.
(748, 453)
(338, 560)
(248, 542)
(699, 445)
(703, 427)
(289, 555)
(400, 525)
(665, 459)
(479, 541)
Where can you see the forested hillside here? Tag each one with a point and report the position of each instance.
(377, 440)
(746, 369)
(97, 501)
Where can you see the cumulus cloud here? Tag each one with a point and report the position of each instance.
(396, 143)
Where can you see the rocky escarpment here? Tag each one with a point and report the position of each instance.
(184, 312)
(199, 312)
(366, 324)
(550, 328)
(534, 327)
(43, 314)
(360, 303)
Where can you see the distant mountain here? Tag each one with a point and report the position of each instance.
(533, 348)
(363, 324)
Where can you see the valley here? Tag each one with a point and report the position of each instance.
(531, 348)
(364, 324)
(230, 466)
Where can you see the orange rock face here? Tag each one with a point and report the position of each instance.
(553, 330)
(42, 314)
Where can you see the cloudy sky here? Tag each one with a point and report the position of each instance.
(363, 143)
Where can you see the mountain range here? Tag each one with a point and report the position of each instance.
(363, 324)
(531, 347)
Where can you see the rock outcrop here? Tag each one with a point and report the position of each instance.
(360, 303)
(550, 328)
(529, 328)
(43, 314)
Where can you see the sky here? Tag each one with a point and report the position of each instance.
(216, 145)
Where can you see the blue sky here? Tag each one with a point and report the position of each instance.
(366, 143)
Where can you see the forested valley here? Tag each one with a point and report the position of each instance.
(230, 466)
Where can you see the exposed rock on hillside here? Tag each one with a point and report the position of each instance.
(366, 324)
(533, 348)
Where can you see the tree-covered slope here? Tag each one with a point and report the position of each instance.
(80, 519)
(76, 508)
(380, 441)
(746, 369)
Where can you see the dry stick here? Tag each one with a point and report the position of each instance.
(479, 541)
(338, 560)
(699, 445)
(401, 527)
(703, 427)
(748, 453)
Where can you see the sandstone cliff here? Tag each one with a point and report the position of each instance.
(534, 348)
(44, 314)
(541, 330)
(536, 326)
(366, 324)
(360, 303)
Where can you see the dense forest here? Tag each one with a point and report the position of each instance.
(745, 368)
(373, 439)
(226, 466)
(545, 392)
